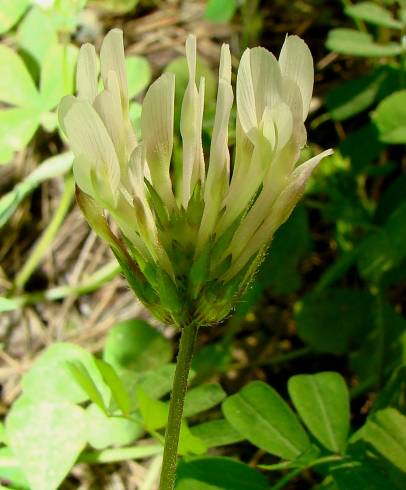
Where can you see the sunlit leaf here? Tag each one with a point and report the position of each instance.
(357, 43)
(103, 431)
(11, 12)
(49, 377)
(135, 345)
(138, 74)
(374, 14)
(390, 118)
(46, 437)
(16, 84)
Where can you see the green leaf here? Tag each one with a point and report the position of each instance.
(158, 382)
(203, 398)
(37, 34)
(211, 359)
(360, 475)
(135, 117)
(17, 126)
(260, 414)
(16, 84)
(322, 401)
(103, 431)
(352, 42)
(216, 433)
(155, 416)
(291, 244)
(57, 74)
(10, 471)
(154, 412)
(118, 390)
(374, 14)
(138, 74)
(46, 437)
(10, 13)
(80, 374)
(362, 156)
(384, 250)
(333, 320)
(135, 345)
(211, 473)
(50, 379)
(189, 443)
(392, 393)
(391, 198)
(384, 347)
(220, 11)
(117, 7)
(356, 95)
(386, 432)
(390, 118)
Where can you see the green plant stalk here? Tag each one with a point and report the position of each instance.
(102, 276)
(296, 471)
(183, 363)
(48, 235)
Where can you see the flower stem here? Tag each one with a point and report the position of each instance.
(184, 361)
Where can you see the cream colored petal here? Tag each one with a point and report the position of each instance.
(244, 185)
(63, 108)
(81, 171)
(136, 167)
(279, 213)
(86, 73)
(219, 164)
(190, 126)
(282, 118)
(225, 64)
(199, 171)
(245, 94)
(259, 85)
(157, 133)
(89, 139)
(112, 59)
(130, 141)
(266, 79)
(109, 109)
(296, 63)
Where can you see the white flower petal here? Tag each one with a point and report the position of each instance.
(86, 73)
(191, 126)
(245, 94)
(296, 63)
(112, 59)
(266, 79)
(278, 214)
(63, 108)
(157, 133)
(108, 106)
(81, 171)
(219, 163)
(89, 139)
(225, 64)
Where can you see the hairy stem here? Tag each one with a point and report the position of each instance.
(184, 361)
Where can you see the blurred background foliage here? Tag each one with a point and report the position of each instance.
(329, 296)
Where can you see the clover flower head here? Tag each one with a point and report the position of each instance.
(192, 235)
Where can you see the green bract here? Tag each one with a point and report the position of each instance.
(190, 240)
